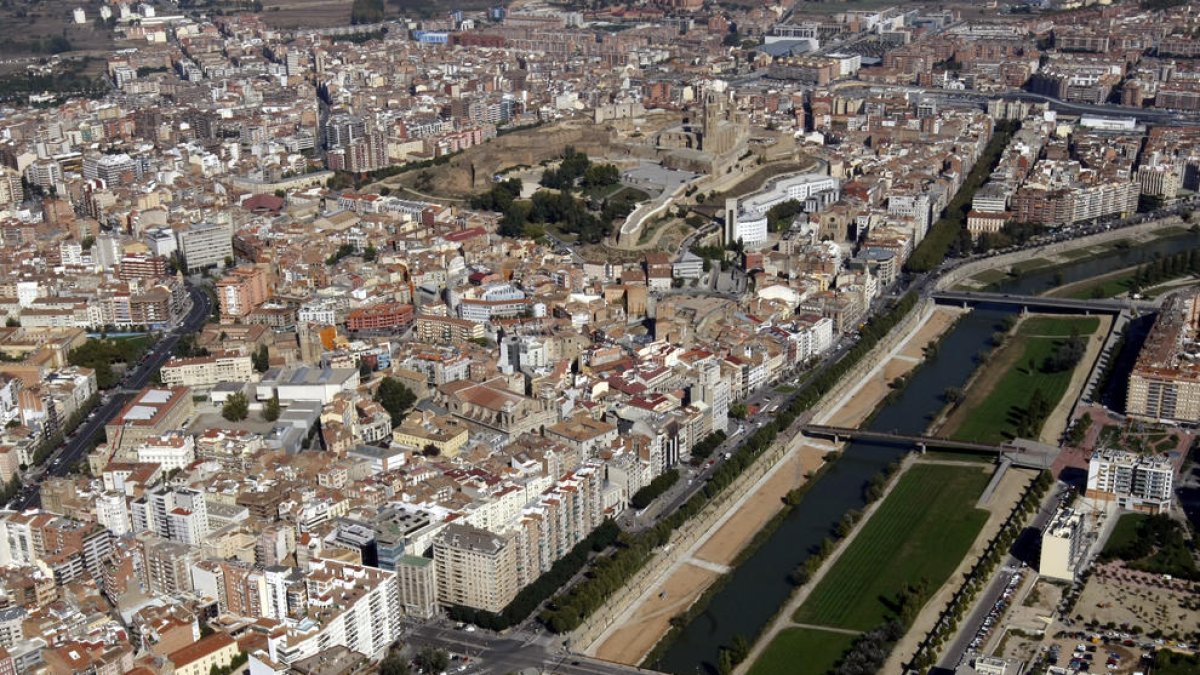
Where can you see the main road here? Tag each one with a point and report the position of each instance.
(1022, 552)
(77, 445)
(493, 654)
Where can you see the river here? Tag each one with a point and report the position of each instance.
(759, 586)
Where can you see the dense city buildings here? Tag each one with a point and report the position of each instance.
(312, 331)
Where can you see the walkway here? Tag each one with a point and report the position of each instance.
(827, 629)
(710, 566)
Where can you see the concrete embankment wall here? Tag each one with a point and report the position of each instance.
(586, 637)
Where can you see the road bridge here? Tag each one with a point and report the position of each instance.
(1042, 303)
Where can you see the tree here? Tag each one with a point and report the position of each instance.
(600, 175)
(370, 254)
(12, 322)
(271, 409)
(432, 660)
(394, 664)
(395, 398)
(236, 407)
(738, 411)
(953, 395)
(261, 359)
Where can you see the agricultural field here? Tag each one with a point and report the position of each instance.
(818, 650)
(1001, 402)
(919, 533)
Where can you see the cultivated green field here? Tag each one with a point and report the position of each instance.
(996, 418)
(921, 531)
(1062, 327)
(802, 651)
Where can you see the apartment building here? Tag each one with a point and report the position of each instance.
(447, 330)
(340, 605)
(475, 568)
(1165, 381)
(206, 371)
(201, 657)
(1135, 482)
(1063, 545)
(240, 291)
(205, 245)
(179, 515)
(393, 316)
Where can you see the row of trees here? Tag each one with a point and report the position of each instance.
(610, 573)
(949, 235)
(975, 580)
(533, 595)
(645, 496)
(1031, 418)
(706, 445)
(1166, 268)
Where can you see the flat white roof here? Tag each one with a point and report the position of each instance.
(156, 396)
(140, 412)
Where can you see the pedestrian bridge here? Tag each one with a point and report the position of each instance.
(1020, 452)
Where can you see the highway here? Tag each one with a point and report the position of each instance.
(77, 445)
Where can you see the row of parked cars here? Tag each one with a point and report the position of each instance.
(993, 616)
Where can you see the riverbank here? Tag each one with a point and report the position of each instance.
(649, 619)
(854, 587)
(998, 394)
(985, 272)
(673, 593)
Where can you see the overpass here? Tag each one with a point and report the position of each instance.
(1042, 303)
(1020, 452)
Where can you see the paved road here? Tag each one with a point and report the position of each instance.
(1023, 551)
(76, 447)
(494, 654)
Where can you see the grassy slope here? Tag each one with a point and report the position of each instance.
(802, 651)
(993, 420)
(922, 530)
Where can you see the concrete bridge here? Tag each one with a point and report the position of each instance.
(1019, 451)
(1042, 303)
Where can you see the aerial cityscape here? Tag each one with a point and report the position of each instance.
(599, 337)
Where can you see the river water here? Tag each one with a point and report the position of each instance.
(759, 586)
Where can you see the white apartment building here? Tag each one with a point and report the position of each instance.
(206, 371)
(174, 451)
(179, 515)
(497, 300)
(1062, 546)
(205, 245)
(112, 511)
(347, 605)
(1133, 481)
